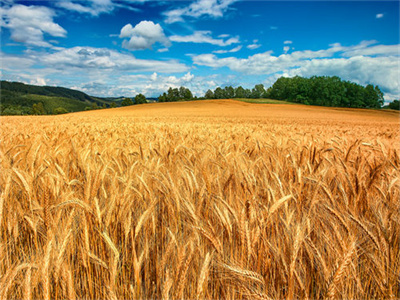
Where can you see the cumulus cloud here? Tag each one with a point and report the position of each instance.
(203, 37)
(29, 24)
(364, 63)
(287, 42)
(98, 59)
(98, 71)
(379, 16)
(94, 61)
(143, 36)
(199, 8)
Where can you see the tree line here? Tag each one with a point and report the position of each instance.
(326, 91)
(316, 90)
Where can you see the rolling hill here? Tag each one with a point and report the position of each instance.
(18, 99)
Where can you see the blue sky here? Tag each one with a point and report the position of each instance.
(126, 47)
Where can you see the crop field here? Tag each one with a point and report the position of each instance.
(201, 200)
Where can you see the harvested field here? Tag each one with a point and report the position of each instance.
(201, 200)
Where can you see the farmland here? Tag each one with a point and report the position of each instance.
(201, 200)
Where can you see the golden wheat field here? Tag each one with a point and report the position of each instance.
(201, 200)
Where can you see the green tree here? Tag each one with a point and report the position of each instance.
(38, 109)
(209, 94)
(219, 93)
(140, 99)
(258, 91)
(127, 102)
(185, 93)
(395, 104)
(173, 95)
(229, 92)
(240, 92)
(113, 104)
(162, 98)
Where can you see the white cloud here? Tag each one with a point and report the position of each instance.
(97, 7)
(253, 46)
(236, 49)
(99, 59)
(222, 36)
(38, 81)
(373, 50)
(155, 84)
(150, 85)
(199, 8)
(143, 36)
(188, 77)
(154, 76)
(286, 49)
(379, 16)
(287, 42)
(363, 63)
(28, 24)
(203, 37)
(98, 71)
(76, 65)
(92, 7)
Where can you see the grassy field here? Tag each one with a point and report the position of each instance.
(201, 200)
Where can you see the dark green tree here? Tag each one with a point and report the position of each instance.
(219, 93)
(258, 91)
(240, 92)
(229, 92)
(395, 104)
(38, 109)
(185, 94)
(209, 94)
(140, 99)
(162, 98)
(127, 102)
(173, 95)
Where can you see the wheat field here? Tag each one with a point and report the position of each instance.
(201, 200)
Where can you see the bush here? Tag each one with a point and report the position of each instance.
(60, 110)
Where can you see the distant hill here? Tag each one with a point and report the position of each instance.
(17, 98)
